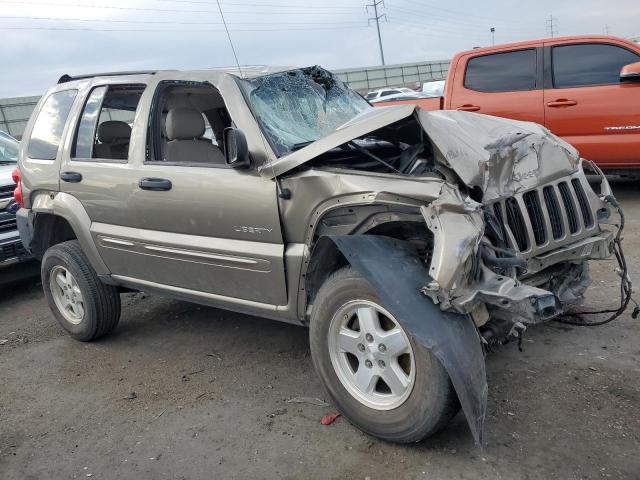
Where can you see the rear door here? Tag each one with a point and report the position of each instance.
(586, 104)
(506, 84)
(192, 228)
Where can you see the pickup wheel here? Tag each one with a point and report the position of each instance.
(379, 378)
(84, 306)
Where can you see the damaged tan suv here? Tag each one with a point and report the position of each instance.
(408, 241)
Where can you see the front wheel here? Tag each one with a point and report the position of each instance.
(383, 381)
(84, 306)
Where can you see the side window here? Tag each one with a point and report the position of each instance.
(104, 130)
(389, 92)
(48, 127)
(502, 72)
(186, 125)
(589, 64)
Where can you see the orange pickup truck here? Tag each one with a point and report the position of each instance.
(585, 89)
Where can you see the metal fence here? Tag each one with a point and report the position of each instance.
(14, 112)
(400, 75)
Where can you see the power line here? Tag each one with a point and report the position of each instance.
(454, 14)
(552, 25)
(166, 10)
(136, 30)
(377, 18)
(449, 20)
(171, 22)
(284, 5)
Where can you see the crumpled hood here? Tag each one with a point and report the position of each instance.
(499, 155)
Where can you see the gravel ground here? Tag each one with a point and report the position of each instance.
(181, 391)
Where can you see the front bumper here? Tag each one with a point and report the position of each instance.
(552, 274)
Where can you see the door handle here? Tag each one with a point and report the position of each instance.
(468, 108)
(155, 184)
(71, 177)
(562, 102)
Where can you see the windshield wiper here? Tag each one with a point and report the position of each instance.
(372, 156)
(298, 146)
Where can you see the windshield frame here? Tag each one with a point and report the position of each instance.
(245, 85)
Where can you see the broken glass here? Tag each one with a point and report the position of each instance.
(297, 107)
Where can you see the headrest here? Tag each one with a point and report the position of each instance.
(184, 124)
(112, 130)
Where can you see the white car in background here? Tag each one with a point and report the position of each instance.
(384, 94)
(433, 89)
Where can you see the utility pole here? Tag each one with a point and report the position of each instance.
(377, 18)
(606, 29)
(493, 35)
(552, 26)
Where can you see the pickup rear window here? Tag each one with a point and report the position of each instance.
(589, 64)
(502, 72)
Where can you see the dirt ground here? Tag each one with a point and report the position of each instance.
(188, 392)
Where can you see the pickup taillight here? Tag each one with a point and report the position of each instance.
(17, 193)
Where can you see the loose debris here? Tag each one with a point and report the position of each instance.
(330, 418)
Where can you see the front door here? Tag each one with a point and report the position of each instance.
(187, 223)
(587, 106)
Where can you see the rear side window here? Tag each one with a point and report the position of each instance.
(104, 130)
(48, 127)
(589, 64)
(502, 72)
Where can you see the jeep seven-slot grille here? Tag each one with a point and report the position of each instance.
(541, 217)
(553, 208)
(516, 223)
(532, 202)
(583, 202)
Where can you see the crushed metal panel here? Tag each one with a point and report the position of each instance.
(398, 275)
(499, 155)
(457, 226)
(366, 122)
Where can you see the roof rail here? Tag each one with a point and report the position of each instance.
(68, 78)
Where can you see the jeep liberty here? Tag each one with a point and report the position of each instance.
(409, 242)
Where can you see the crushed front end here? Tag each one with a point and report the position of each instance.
(519, 254)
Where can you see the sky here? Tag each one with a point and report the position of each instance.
(41, 40)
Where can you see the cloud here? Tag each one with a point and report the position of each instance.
(32, 60)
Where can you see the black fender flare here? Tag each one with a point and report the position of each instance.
(398, 275)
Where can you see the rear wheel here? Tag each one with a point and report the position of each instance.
(383, 381)
(84, 306)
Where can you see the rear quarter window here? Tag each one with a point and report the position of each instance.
(49, 125)
(502, 72)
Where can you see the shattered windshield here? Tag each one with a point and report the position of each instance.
(297, 107)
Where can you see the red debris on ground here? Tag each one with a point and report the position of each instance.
(329, 419)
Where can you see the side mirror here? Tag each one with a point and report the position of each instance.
(630, 73)
(236, 151)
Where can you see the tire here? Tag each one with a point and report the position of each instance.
(84, 306)
(424, 408)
